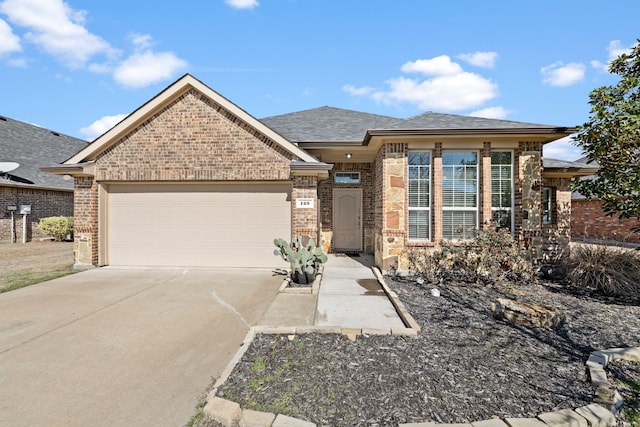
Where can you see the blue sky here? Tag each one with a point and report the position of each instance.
(79, 66)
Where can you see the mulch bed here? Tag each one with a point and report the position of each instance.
(464, 366)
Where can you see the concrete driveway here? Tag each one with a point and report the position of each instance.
(123, 347)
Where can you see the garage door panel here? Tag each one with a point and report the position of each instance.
(197, 225)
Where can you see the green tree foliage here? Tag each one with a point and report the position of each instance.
(612, 139)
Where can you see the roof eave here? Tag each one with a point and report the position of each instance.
(78, 169)
(319, 169)
(553, 132)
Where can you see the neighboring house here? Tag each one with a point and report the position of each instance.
(191, 179)
(29, 148)
(590, 222)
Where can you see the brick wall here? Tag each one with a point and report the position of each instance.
(588, 221)
(85, 225)
(304, 221)
(193, 139)
(44, 203)
(368, 210)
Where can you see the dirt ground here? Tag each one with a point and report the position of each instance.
(23, 264)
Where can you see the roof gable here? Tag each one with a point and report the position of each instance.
(33, 147)
(164, 98)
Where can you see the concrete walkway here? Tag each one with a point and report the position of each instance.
(350, 297)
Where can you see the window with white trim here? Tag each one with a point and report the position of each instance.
(502, 189)
(419, 195)
(459, 194)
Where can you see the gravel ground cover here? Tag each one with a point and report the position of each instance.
(464, 366)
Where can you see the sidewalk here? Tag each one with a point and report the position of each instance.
(349, 297)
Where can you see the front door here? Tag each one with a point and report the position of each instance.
(347, 219)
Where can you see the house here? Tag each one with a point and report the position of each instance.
(191, 179)
(24, 148)
(590, 222)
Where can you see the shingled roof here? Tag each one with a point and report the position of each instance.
(330, 124)
(33, 147)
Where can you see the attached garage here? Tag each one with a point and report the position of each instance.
(209, 225)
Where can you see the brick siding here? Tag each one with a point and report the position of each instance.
(44, 203)
(588, 221)
(193, 139)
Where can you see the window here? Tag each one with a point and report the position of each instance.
(502, 188)
(547, 203)
(419, 195)
(347, 178)
(459, 194)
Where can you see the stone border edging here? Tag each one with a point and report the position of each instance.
(313, 289)
(402, 311)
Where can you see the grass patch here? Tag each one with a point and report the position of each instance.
(21, 280)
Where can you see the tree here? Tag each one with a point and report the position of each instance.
(612, 139)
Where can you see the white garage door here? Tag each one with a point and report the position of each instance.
(213, 225)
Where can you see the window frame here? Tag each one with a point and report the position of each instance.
(513, 198)
(428, 208)
(336, 182)
(462, 209)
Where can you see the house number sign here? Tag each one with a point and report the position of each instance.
(304, 203)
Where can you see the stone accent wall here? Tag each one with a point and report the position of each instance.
(85, 226)
(368, 208)
(304, 221)
(44, 203)
(589, 221)
(557, 235)
(528, 196)
(390, 240)
(193, 139)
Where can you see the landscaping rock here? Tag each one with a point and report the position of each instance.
(532, 315)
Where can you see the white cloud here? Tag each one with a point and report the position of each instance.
(438, 66)
(57, 29)
(562, 149)
(491, 113)
(242, 4)
(480, 59)
(145, 68)
(100, 126)
(358, 91)
(449, 93)
(562, 75)
(141, 41)
(614, 50)
(9, 42)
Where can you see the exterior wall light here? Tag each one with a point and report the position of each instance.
(348, 155)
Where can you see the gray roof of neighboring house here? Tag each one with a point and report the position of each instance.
(566, 164)
(33, 147)
(330, 124)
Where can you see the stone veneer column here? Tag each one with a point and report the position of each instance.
(394, 205)
(485, 185)
(436, 193)
(304, 221)
(85, 227)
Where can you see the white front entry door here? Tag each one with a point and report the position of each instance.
(347, 219)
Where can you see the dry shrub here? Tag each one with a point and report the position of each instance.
(607, 269)
(492, 256)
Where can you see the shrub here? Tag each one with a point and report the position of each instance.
(58, 227)
(492, 256)
(607, 269)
